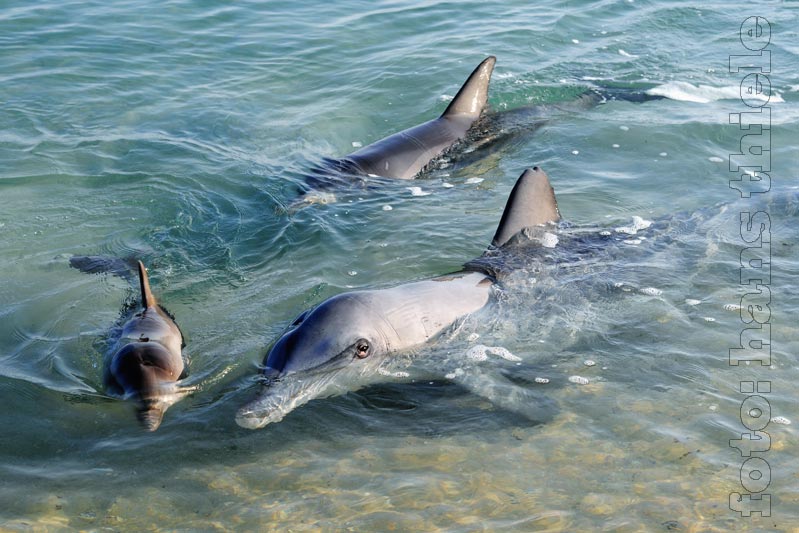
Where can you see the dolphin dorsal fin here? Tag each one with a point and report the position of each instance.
(531, 203)
(472, 97)
(147, 298)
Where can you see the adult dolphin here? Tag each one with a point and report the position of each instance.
(145, 362)
(406, 153)
(341, 344)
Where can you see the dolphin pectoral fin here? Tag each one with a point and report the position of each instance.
(505, 394)
(531, 203)
(472, 96)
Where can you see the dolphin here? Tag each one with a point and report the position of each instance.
(405, 154)
(342, 344)
(466, 123)
(145, 362)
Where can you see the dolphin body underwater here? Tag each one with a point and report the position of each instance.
(145, 361)
(342, 344)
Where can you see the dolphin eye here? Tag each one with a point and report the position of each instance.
(362, 349)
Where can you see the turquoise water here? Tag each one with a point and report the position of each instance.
(178, 132)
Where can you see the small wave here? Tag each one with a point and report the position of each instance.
(702, 94)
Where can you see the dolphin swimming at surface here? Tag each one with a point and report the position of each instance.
(145, 361)
(341, 344)
(406, 154)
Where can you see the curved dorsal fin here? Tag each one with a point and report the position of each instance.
(531, 203)
(472, 97)
(147, 298)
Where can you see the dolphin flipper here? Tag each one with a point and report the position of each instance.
(503, 393)
(103, 264)
(531, 203)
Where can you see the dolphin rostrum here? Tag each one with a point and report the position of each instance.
(145, 361)
(342, 343)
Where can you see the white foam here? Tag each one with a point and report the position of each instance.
(447, 185)
(715, 159)
(504, 353)
(624, 128)
(651, 291)
(472, 181)
(480, 353)
(387, 207)
(446, 97)
(626, 54)
(708, 319)
(417, 191)
(542, 380)
(576, 41)
(579, 380)
(357, 144)
(576, 152)
(780, 420)
(384, 372)
(477, 353)
(549, 240)
(732, 307)
(615, 145)
(692, 301)
(637, 225)
(589, 362)
(455, 374)
(702, 94)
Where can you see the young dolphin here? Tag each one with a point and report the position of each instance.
(145, 362)
(339, 345)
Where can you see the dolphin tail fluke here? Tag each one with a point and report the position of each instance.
(472, 97)
(531, 203)
(147, 298)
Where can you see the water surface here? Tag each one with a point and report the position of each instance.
(179, 132)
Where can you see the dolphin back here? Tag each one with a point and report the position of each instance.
(531, 203)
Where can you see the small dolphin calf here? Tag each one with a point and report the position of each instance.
(145, 362)
(340, 345)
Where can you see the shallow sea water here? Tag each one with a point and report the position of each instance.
(179, 131)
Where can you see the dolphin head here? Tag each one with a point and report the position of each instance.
(335, 348)
(147, 372)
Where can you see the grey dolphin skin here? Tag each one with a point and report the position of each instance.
(145, 362)
(340, 345)
(404, 154)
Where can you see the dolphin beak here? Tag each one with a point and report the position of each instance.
(265, 409)
(150, 416)
(278, 397)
